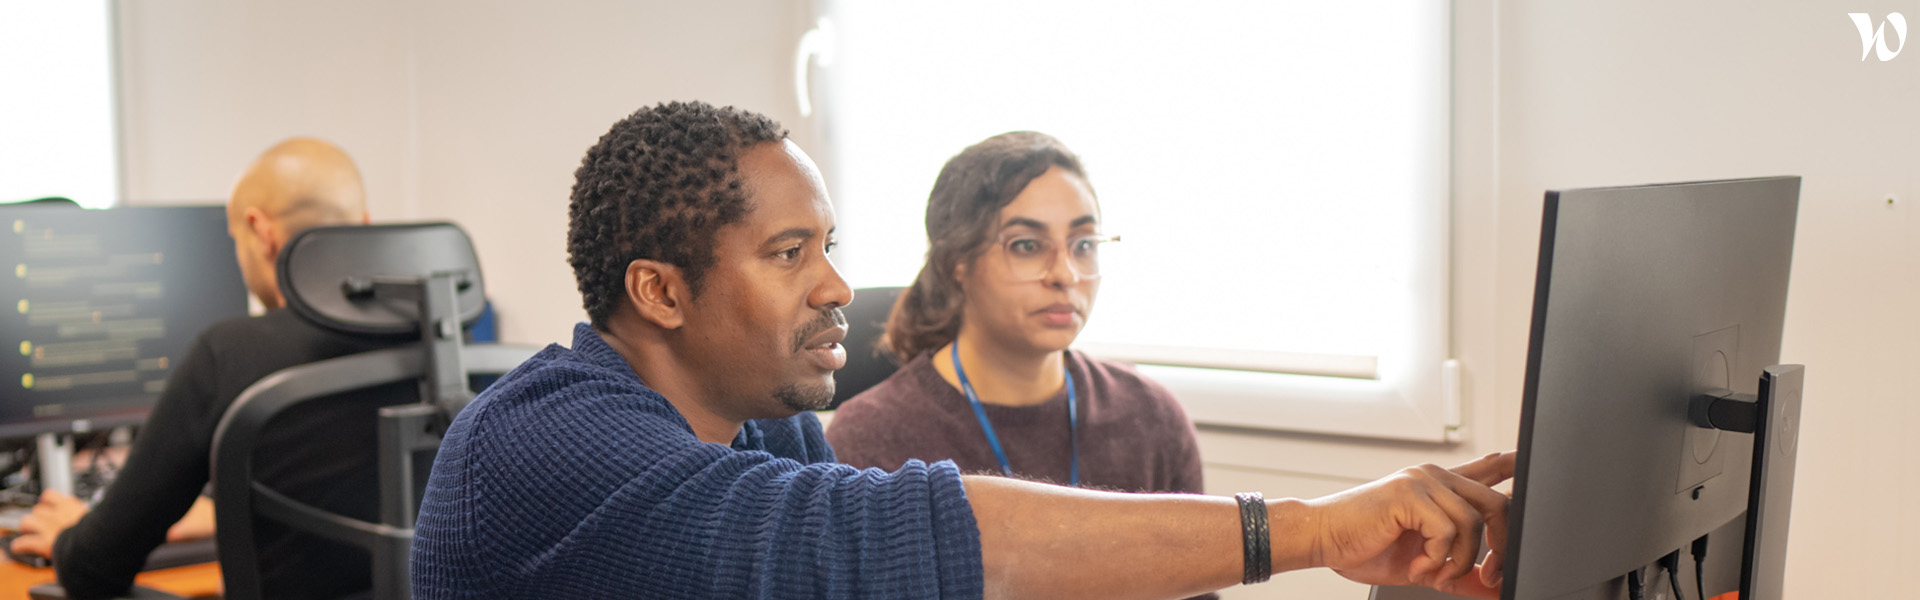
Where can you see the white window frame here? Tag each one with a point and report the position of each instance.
(1411, 394)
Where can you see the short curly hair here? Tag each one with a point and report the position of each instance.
(658, 186)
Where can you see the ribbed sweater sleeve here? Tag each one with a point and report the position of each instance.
(569, 478)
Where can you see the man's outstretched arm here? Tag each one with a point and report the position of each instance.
(1420, 526)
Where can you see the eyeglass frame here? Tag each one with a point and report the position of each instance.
(1001, 242)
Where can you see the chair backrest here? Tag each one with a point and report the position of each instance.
(386, 281)
(867, 364)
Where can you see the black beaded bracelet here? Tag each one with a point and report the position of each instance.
(1256, 541)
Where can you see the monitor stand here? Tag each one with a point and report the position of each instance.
(1773, 417)
(1776, 438)
(56, 462)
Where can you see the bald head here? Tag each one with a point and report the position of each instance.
(297, 184)
(301, 182)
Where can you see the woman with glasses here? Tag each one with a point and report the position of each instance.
(988, 380)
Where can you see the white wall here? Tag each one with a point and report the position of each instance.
(473, 112)
(205, 86)
(478, 112)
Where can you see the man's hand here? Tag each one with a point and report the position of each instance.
(1420, 526)
(55, 513)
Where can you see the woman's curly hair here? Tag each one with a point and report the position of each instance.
(658, 186)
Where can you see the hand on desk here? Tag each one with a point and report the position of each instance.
(1422, 527)
(58, 511)
(55, 513)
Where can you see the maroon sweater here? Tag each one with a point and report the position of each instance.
(1134, 437)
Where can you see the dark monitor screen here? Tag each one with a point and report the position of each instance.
(1645, 296)
(101, 305)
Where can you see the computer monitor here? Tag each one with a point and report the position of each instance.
(1646, 298)
(97, 307)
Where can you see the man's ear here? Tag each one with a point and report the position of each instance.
(267, 232)
(658, 291)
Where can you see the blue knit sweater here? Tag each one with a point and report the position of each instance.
(569, 478)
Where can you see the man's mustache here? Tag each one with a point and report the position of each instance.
(829, 319)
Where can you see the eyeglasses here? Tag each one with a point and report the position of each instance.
(1030, 257)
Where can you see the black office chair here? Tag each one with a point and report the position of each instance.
(421, 281)
(867, 364)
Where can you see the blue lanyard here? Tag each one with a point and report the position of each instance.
(1073, 418)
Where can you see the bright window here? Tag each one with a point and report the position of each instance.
(56, 107)
(1278, 171)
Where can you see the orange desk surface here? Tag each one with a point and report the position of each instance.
(193, 581)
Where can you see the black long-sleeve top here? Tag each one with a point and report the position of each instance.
(321, 453)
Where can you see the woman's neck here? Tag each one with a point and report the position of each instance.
(1002, 375)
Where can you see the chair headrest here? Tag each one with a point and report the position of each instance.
(320, 266)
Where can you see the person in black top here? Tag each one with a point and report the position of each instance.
(320, 453)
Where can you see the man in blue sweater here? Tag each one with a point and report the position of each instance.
(669, 453)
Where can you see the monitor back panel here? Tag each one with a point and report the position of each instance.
(1645, 296)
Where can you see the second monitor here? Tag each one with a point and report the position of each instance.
(101, 305)
(1646, 297)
